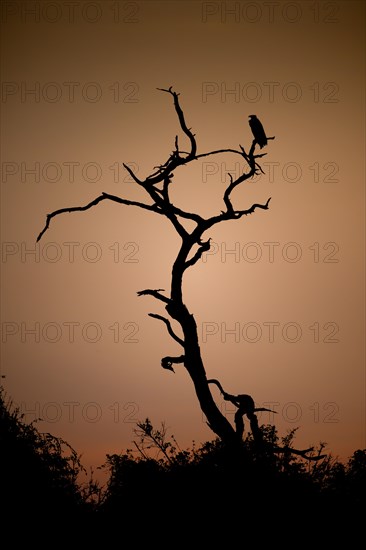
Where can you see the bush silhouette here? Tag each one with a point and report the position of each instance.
(38, 471)
(159, 482)
(179, 485)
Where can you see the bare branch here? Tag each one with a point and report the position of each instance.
(170, 211)
(167, 207)
(226, 395)
(298, 452)
(164, 174)
(249, 158)
(103, 196)
(167, 362)
(231, 215)
(157, 437)
(234, 183)
(169, 327)
(227, 201)
(249, 161)
(155, 293)
(240, 213)
(165, 191)
(140, 451)
(133, 176)
(260, 168)
(203, 248)
(242, 153)
(214, 381)
(187, 215)
(175, 159)
(217, 152)
(262, 409)
(182, 122)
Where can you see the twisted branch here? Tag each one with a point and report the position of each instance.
(245, 405)
(167, 362)
(102, 197)
(239, 213)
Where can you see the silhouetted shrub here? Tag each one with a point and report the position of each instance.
(38, 471)
(160, 483)
(182, 487)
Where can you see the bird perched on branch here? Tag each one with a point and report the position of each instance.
(258, 130)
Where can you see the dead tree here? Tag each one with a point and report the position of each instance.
(157, 186)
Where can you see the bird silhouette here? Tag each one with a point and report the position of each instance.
(257, 130)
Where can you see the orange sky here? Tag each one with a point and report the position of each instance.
(91, 366)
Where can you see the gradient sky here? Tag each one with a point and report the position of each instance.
(281, 317)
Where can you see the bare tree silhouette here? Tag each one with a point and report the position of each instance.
(191, 249)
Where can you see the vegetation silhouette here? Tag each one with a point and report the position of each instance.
(40, 473)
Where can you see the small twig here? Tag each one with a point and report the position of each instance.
(155, 293)
(133, 176)
(141, 451)
(182, 121)
(169, 327)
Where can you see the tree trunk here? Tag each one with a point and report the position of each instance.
(192, 353)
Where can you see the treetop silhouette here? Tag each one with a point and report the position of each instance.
(193, 245)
